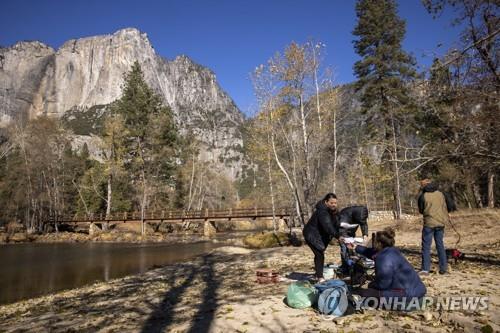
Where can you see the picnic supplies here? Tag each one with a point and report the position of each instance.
(455, 253)
(322, 286)
(267, 276)
(353, 240)
(333, 298)
(329, 271)
(301, 294)
(368, 263)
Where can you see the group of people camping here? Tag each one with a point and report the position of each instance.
(394, 275)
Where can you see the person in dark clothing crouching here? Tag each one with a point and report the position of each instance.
(320, 229)
(395, 277)
(350, 219)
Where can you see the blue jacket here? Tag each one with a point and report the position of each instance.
(394, 275)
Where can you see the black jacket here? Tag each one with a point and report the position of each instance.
(322, 227)
(354, 215)
(431, 187)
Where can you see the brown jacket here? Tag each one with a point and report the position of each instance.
(434, 206)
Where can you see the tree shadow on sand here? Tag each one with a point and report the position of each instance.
(164, 313)
(206, 308)
(474, 258)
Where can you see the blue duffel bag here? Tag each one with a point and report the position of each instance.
(333, 297)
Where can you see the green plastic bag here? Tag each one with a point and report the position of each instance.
(301, 295)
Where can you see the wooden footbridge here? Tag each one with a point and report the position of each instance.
(176, 216)
(209, 218)
(155, 218)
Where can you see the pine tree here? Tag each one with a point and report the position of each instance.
(383, 74)
(475, 84)
(152, 140)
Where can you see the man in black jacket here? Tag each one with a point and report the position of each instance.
(320, 229)
(350, 218)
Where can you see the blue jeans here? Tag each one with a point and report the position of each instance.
(427, 234)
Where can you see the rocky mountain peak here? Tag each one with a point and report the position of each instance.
(88, 72)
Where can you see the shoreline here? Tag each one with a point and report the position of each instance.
(127, 237)
(218, 292)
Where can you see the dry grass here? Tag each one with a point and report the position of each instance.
(263, 240)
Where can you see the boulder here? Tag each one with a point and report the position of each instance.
(166, 228)
(15, 227)
(3, 237)
(18, 237)
(209, 229)
(267, 239)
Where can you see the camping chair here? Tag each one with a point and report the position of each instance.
(361, 270)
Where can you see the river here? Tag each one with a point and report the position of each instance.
(33, 269)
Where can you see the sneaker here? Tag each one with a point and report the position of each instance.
(422, 272)
(443, 272)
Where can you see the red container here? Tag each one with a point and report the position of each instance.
(267, 276)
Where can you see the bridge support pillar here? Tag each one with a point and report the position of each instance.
(282, 225)
(94, 229)
(209, 229)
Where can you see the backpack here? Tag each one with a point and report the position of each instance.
(333, 297)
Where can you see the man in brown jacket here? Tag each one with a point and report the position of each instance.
(435, 206)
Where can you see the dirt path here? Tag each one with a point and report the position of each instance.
(218, 293)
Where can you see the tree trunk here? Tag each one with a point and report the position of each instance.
(293, 188)
(270, 179)
(55, 210)
(30, 199)
(81, 197)
(190, 196)
(491, 189)
(144, 187)
(307, 169)
(316, 85)
(143, 204)
(335, 153)
(108, 200)
(477, 195)
(397, 187)
(466, 195)
(363, 177)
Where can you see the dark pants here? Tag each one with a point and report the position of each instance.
(344, 255)
(344, 251)
(319, 260)
(438, 234)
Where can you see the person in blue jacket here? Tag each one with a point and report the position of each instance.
(394, 275)
(320, 229)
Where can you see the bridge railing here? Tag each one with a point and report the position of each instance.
(179, 214)
(207, 213)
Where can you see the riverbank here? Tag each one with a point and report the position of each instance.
(131, 232)
(218, 293)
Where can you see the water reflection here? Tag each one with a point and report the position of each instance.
(29, 270)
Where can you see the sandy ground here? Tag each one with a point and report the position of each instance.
(218, 293)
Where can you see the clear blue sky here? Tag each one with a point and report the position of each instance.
(231, 37)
